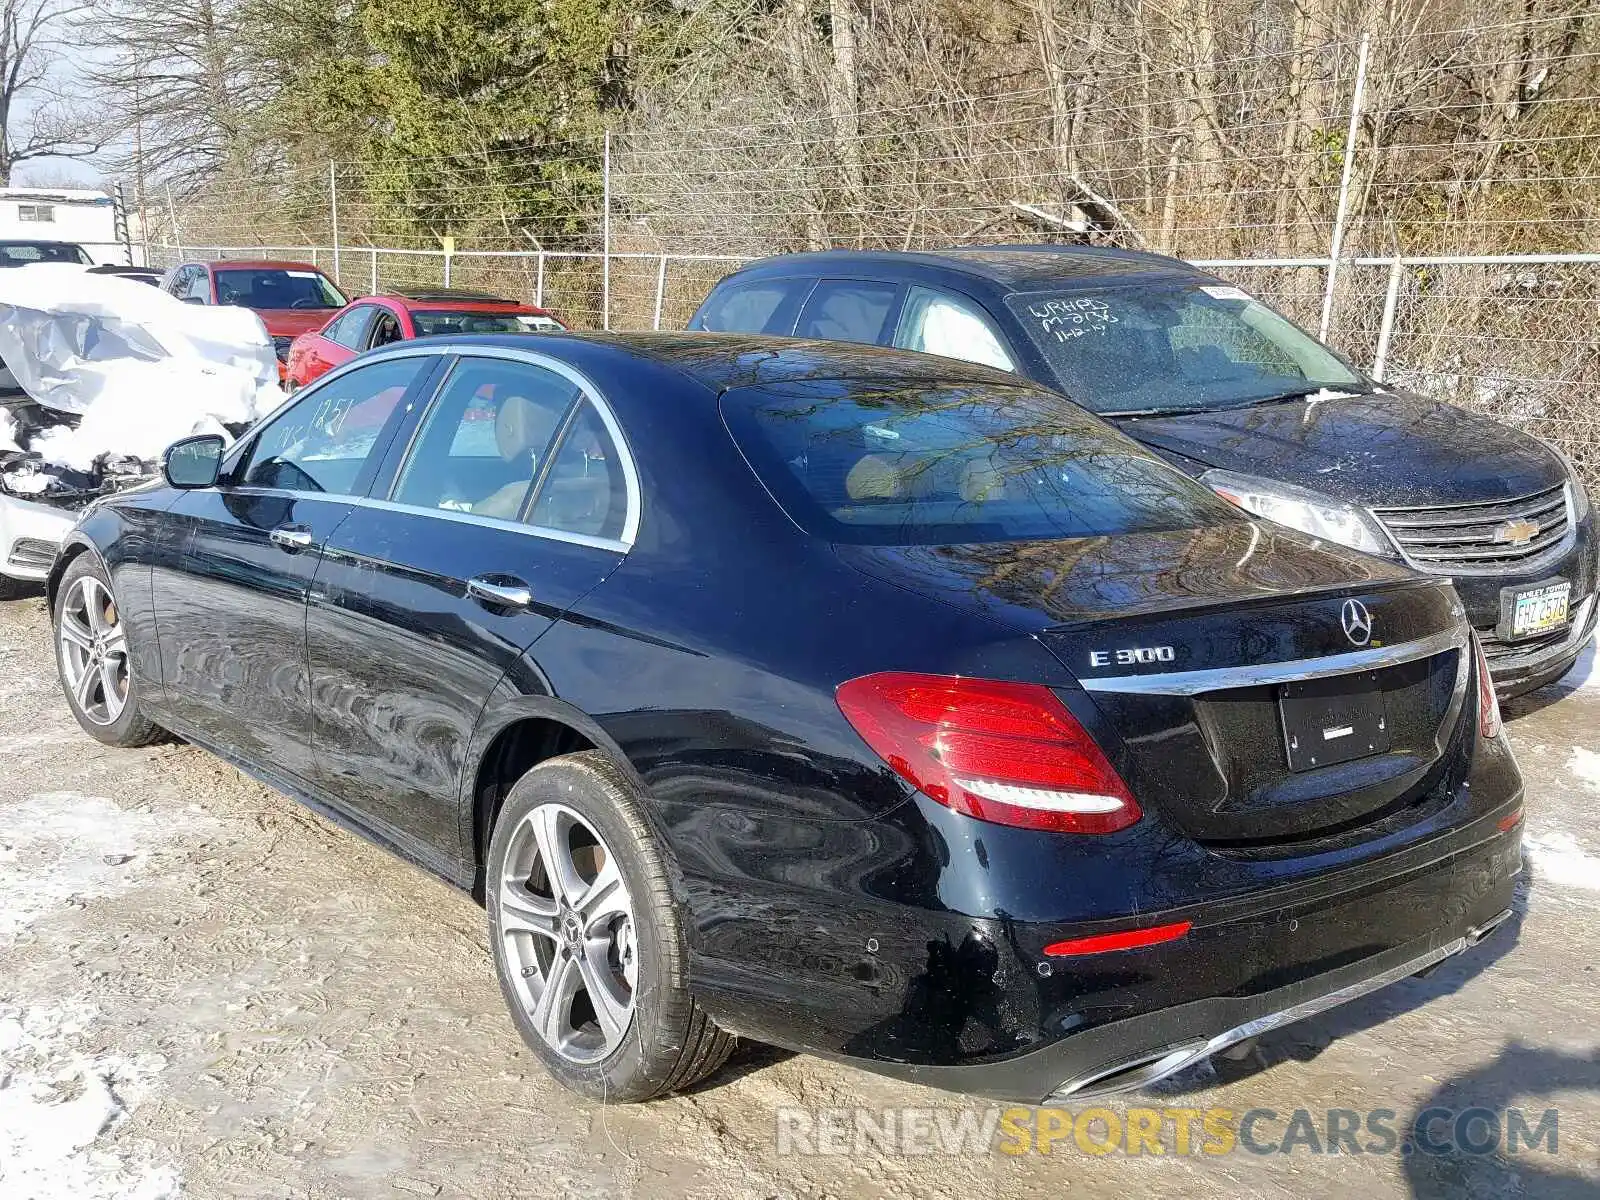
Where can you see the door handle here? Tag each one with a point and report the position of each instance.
(290, 538)
(501, 595)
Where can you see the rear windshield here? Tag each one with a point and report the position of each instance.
(434, 323)
(1174, 345)
(273, 288)
(20, 254)
(911, 464)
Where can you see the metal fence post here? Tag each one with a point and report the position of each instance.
(1336, 246)
(605, 234)
(1391, 299)
(374, 271)
(177, 233)
(333, 209)
(538, 287)
(661, 289)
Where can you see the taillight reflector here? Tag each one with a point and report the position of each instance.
(1004, 752)
(1128, 939)
(1509, 822)
(1488, 702)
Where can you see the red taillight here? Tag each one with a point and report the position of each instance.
(1128, 939)
(1004, 752)
(1488, 703)
(1509, 822)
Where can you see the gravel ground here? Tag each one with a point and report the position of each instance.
(206, 990)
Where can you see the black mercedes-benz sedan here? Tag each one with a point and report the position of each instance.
(862, 702)
(1236, 395)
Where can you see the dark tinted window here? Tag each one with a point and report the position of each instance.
(485, 438)
(763, 306)
(432, 323)
(20, 254)
(847, 310)
(322, 442)
(275, 288)
(385, 329)
(856, 461)
(1173, 345)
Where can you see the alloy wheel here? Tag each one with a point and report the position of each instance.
(567, 932)
(94, 651)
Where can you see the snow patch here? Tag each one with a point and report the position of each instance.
(57, 846)
(1562, 861)
(140, 367)
(1585, 764)
(1585, 674)
(60, 1108)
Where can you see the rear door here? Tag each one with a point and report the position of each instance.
(502, 506)
(231, 619)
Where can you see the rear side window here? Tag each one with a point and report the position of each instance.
(347, 329)
(938, 323)
(482, 445)
(762, 306)
(586, 489)
(897, 464)
(847, 310)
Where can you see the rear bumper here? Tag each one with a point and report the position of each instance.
(30, 535)
(1299, 960)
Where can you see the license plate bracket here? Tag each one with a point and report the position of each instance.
(1331, 721)
(1534, 609)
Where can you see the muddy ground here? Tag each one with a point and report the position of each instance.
(205, 990)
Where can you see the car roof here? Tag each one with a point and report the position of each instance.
(1015, 268)
(254, 264)
(720, 361)
(424, 295)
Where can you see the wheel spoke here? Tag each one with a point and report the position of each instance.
(522, 912)
(83, 686)
(555, 1000)
(72, 631)
(549, 831)
(603, 898)
(111, 695)
(116, 642)
(610, 1006)
(92, 608)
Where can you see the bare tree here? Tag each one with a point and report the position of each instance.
(35, 122)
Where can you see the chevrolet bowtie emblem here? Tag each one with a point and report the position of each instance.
(1516, 532)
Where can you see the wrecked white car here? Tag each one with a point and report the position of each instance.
(102, 374)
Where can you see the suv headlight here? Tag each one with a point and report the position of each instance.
(1308, 511)
(1575, 488)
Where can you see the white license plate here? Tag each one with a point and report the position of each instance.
(1540, 610)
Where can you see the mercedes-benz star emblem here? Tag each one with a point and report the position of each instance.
(1357, 622)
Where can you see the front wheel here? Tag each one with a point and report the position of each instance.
(93, 661)
(587, 939)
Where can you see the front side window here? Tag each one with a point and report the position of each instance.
(890, 463)
(1174, 345)
(273, 288)
(761, 306)
(385, 329)
(324, 441)
(197, 287)
(939, 323)
(482, 444)
(847, 310)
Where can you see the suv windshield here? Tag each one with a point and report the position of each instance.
(888, 463)
(1174, 347)
(277, 287)
(20, 254)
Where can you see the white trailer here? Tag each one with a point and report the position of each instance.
(84, 216)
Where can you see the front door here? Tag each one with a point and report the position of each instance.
(231, 619)
(506, 507)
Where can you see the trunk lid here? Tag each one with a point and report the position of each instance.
(1224, 680)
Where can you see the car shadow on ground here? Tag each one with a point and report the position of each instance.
(1304, 1040)
(1519, 1077)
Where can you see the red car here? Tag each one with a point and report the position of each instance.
(289, 297)
(399, 316)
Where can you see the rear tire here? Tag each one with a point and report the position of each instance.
(93, 661)
(598, 933)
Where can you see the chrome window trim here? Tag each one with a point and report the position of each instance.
(1213, 679)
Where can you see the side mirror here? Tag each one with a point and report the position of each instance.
(194, 462)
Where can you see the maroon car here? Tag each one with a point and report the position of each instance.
(289, 297)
